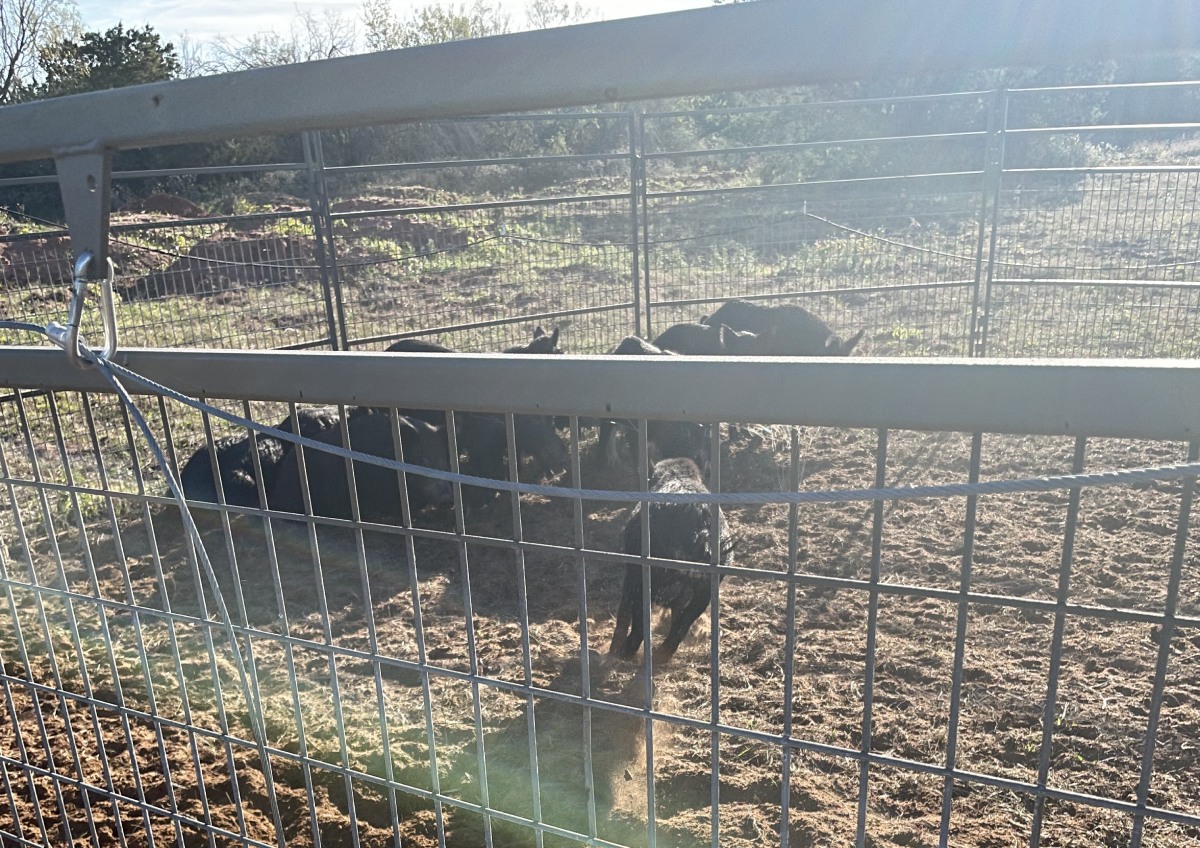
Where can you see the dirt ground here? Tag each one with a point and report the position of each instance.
(334, 712)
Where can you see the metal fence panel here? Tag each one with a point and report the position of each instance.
(246, 277)
(1117, 277)
(366, 656)
(975, 223)
(464, 275)
(842, 254)
(866, 671)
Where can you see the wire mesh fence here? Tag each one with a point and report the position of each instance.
(913, 291)
(478, 270)
(976, 223)
(245, 277)
(442, 665)
(820, 620)
(1096, 259)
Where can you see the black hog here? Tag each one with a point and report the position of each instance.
(541, 343)
(636, 346)
(669, 438)
(677, 531)
(607, 444)
(482, 444)
(792, 329)
(377, 488)
(481, 437)
(710, 340)
(236, 464)
(536, 435)
(312, 422)
(417, 346)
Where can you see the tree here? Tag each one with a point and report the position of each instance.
(96, 61)
(26, 26)
(543, 14)
(113, 59)
(310, 38)
(431, 24)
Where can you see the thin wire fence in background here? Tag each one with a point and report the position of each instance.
(979, 223)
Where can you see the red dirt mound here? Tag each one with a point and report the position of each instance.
(44, 261)
(165, 204)
(227, 263)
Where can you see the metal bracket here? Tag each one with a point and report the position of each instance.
(84, 178)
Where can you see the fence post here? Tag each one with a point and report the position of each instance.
(644, 190)
(993, 172)
(322, 224)
(635, 165)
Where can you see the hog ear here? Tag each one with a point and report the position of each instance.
(848, 344)
(538, 332)
(703, 319)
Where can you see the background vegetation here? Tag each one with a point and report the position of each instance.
(46, 52)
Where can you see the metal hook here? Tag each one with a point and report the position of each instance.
(68, 337)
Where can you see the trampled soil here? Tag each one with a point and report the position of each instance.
(1123, 548)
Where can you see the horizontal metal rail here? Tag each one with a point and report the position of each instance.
(478, 163)
(1075, 282)
(509, 117)
(817, 292)
(818, 104)
(809, 145)
(894, 178)
(51, 231)
(738, 46)
(212, 220)
(1109, 169)
(532, 318)
(216, 170)
(487, 204)
(1105, 86)
(346, 215)
(1151, 399)
(1175, 126)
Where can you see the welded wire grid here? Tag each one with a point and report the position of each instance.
(863, 259)
(1097, 264)
(910, 669)
(242, 281)
(886, 220)
(480, 277)
(971, 222)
